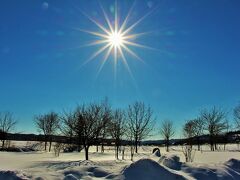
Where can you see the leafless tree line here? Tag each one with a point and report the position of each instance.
(92, 123)
(212, 122)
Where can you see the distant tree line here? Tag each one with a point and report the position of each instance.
(91, 124)
(214, 123)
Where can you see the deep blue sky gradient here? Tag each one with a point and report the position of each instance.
(196, 64)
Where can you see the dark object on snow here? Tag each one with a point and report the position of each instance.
(156, 152)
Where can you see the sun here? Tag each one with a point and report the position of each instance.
(116, 39)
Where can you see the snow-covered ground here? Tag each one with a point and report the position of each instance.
(42, 165)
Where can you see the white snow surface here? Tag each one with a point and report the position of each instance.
(42, 165)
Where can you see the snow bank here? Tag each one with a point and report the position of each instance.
(227, 171)
(12, 175)
(230, 170)
(147, 169)
(233, 164)
(171, 161)
(85, 172)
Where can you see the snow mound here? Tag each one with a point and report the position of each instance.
(12, 175)
(97, 172)
(85, 172)
(233, 164)
(230, 170)
(171, 161)
(147, 169)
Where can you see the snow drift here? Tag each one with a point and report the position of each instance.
(233, 164)
(171, 161)
(12, 175)
(146, 169)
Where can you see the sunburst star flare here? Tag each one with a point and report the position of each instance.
(115, 39)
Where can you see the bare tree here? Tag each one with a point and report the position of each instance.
(193, 128)
(225, 136)
(198, 130)
(89, 123)
(117, 129)
(67, 127)
(167, 131)
(7, 124)
(48, 124)
(140, 122)
(236, 114)
(188, 131)
(188, 152)
(105, 119)
(214, 120)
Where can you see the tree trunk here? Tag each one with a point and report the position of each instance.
(102, 149)
(50, 146)
(123, 153)
(86, 152)
(211, 143)
(97, 148)
(212, 146)
(167, 143)
(79, 144)
(117, 148)
(136, 146)
(198, 140)
(3, 143)
(132, 152)
(45, 146)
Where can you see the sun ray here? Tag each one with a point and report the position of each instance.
(116, 17)
(127, 18)
(96, 23)
(97, 53)
(105, 59)
(97, 42)
(93, 33)
(137, 45)
(115, 59)
(132, 53)
(107, 19)
(137, 22)
(134, 36)
(125, 62)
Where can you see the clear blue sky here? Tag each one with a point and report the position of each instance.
(196, 64)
